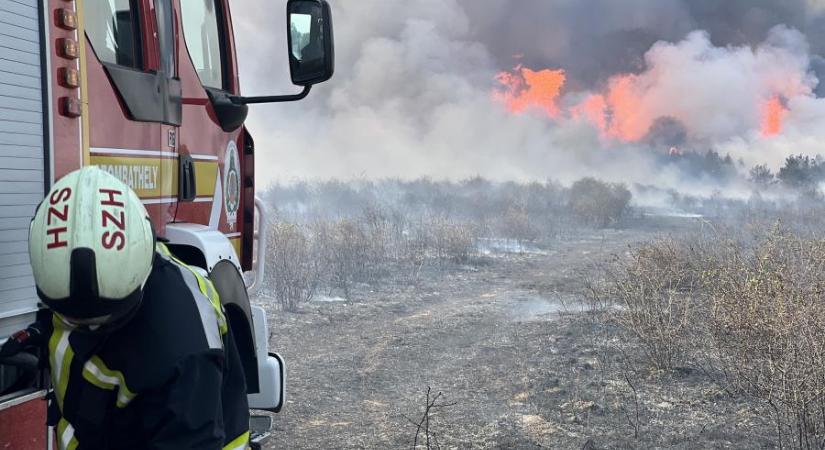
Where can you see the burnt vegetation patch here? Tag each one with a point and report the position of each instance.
(742, 307)
(327, 238)
(544, 323)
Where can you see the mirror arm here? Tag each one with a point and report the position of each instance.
(238, 100)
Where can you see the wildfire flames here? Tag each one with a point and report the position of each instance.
(525, 88)
(618, 113)
(773, 115)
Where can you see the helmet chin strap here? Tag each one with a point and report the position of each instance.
(91, 323)
(107, 325)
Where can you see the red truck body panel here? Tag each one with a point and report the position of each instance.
(23, 426)
(145, 154)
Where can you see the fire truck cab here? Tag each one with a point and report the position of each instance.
(147, 90)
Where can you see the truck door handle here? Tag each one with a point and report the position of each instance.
(187, 191)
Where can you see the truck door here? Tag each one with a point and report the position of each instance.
(207, 66)
(129, 99)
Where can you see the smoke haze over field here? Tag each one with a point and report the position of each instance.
(415, 91)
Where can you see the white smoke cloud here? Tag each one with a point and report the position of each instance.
(816, 5)
(412, 97)
(717, 92)
(803, 134)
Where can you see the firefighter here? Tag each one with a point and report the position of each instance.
(139, 350)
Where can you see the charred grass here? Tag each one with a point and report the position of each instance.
(743, 308)
(541, 331)
(512, 377)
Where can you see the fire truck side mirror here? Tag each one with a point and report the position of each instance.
(311, 59)
(310, 41)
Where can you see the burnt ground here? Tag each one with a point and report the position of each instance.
(512, 346)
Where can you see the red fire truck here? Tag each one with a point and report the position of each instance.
(147, 90)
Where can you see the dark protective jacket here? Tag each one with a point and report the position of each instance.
(170, 378)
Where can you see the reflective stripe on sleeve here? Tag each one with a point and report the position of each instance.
(207, 288)
(60, 360)
(208, 316)
(214, 321)
(96, 372)
(239, 443)
(65, 435)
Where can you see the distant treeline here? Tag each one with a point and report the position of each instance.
(799, 173)
(476, 200)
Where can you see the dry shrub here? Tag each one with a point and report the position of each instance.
(343, 250)
(356, 250)
(381, 229)
(767, 316)
(517, 224)
(647, 300)
(598, 203)
(339, 254)
(294, 270)
(439, 239)
(454, 242)
(415, 246)
(750, 312)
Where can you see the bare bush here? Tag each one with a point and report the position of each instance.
(454, 242)
(516, 223)
(344, 252)
(768, 324)
(294, 272)
(748, 311)
(598, 203)
(425, 437)
(645, 292)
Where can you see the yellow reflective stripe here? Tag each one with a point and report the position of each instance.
(239, 443)
(60, 359)
(65, 435)
(163, 249)
(201, 282)
(96, 372)
(206, 287)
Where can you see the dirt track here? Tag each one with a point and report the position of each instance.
(508, 344)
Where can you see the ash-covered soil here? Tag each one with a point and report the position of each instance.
(516, 352)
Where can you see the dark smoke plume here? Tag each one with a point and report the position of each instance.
(412, 95)
(595, 39)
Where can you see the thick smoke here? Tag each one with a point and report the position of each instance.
(412, 95)
(716, 93)
(595, 39)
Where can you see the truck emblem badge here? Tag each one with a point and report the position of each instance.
(232, 184)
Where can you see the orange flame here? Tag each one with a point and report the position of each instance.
(627, 122)
(619, 112)
(616, 114)
(773, 115)
(525, 88)
(593, 109)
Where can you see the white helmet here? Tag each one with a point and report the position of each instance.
(92, 246)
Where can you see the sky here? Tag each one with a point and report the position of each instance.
(417, 89)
